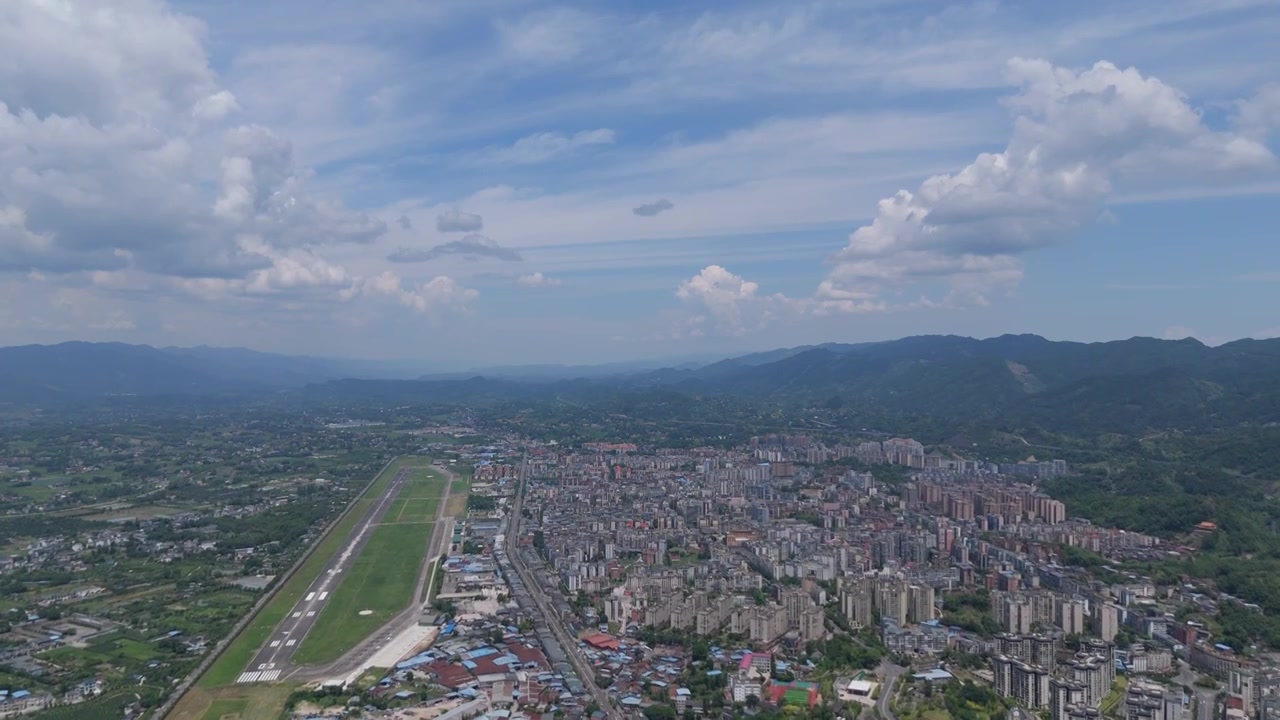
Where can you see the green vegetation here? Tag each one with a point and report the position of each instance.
(1079, 557)
(108, 706)
(967, 701)
(1114, 697)
(482, 503)
(971, 611)
(847, 652)
(1168, 484)
(222, 709)
(406, 510)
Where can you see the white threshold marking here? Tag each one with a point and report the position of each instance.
(309, 597)
(259, 676)
(324, 595)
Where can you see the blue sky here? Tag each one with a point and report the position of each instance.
(504, 181)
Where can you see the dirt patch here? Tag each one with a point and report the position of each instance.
(193, 705)
(1025, 377)
(260, 702)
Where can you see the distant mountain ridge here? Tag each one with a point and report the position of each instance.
(65, 371)
(1117, 386)
(1011, 381)
(1106, 386)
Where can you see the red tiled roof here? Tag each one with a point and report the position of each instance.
(448, 674)
(529, 655)
(603, 641)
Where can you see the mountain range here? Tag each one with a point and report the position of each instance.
(1026, 379)
(81, 370)
(1022, 379)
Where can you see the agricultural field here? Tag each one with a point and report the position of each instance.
(122, 650)
(109, 706)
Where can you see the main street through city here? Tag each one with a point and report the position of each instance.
(532, 581)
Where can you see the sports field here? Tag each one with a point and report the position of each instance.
(383, 577)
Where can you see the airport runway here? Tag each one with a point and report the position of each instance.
(358, 657)
(276, 656)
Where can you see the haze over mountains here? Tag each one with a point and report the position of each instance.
(1118, 386)
(67, 371)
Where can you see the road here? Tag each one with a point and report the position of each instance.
(1206, 700)
(276, 657)
(891, 673)
(583, 668)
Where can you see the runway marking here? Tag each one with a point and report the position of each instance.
(259, 676)
(290, 643)
(275, 643)
(309, 597)
(311, 613)
(324, 595)
(298, 614)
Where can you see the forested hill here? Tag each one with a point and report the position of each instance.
(947, 383)
(1120, 386)
(73, 372)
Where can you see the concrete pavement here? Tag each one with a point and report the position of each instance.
(891, 673)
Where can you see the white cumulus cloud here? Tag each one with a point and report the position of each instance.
(1076, 136)
(118, 139)
(1259, 116)
(733, 303)
(437, 295)
(537, 280)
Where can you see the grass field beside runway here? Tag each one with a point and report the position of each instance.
(456, 505)
(382, 578)
(233, 661)
(414, 510)
(424, 482)
(236, 702)
(419, 499)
